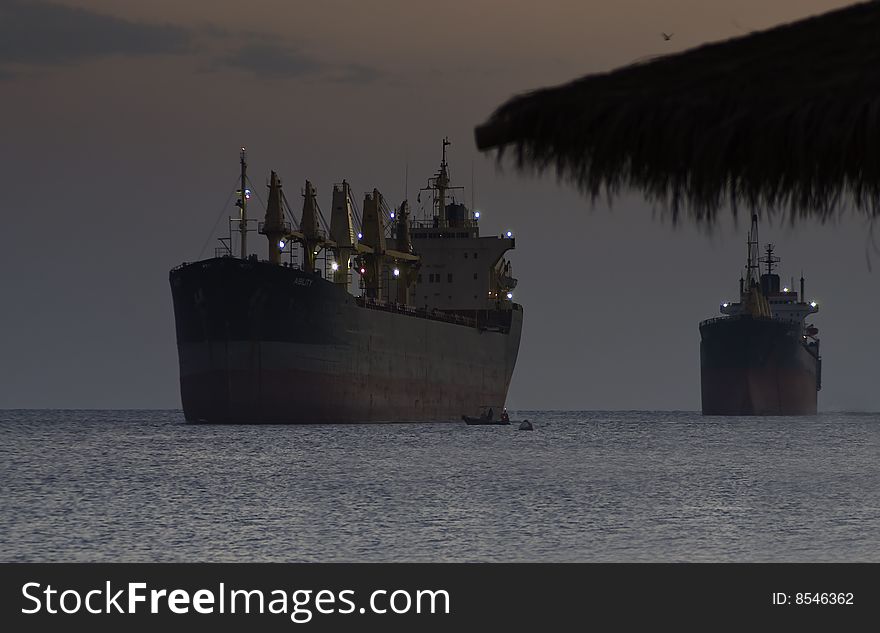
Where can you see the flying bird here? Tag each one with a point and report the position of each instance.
(667, 36)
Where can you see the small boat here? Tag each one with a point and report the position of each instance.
(484, 420)
(487, 417)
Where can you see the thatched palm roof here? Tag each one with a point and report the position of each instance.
(787, 118)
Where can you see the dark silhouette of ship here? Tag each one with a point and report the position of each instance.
(761, 358)
(375, 317)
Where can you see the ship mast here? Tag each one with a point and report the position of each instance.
(770, 259)
(753, 300)
(752, 266)
(242, 225)
(442, 184)
(439, 184)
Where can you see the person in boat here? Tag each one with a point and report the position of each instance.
(489, 413)
(504, 416)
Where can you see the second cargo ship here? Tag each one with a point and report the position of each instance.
(761, 357)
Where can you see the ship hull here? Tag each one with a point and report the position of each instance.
(260, 343)
(757, 366)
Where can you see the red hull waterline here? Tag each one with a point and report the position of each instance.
(261, 348)
(758, 391)
(293, 396)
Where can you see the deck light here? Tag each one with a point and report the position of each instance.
(281, 244)
(334, 266)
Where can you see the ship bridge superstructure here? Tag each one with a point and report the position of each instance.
(461, 271)
(763, 294)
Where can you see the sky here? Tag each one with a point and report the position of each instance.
(121, 124)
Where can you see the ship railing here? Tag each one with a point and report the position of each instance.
(713, 320)
(466, 223)
(734, 317)
(489, 320)
(285, 227)
(434, 315)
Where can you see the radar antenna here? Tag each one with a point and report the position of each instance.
(440, 184)
(769, 259)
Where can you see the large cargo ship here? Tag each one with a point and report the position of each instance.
(761, 358)
(377, 316)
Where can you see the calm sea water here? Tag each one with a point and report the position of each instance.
(583, 486)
